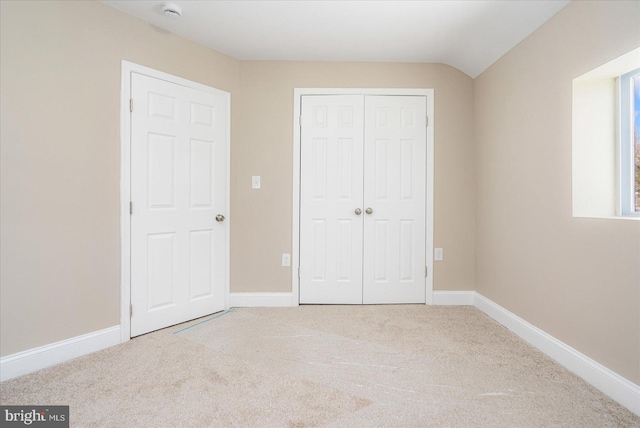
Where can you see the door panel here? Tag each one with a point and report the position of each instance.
(178, 185)
(331, 189)
(161, 259)
(394, 188)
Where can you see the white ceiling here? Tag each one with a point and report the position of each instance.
(469, 35)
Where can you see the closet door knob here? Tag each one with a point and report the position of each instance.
(219, 218)
(369, 210)
(358, 211)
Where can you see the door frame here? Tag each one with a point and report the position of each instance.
(295, 235)
(125, 181)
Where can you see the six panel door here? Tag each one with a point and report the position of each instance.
(331, 190)
(395, 180)
(178, 186)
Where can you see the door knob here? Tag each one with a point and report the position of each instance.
(369, 210)
(219, 217)
(358, 211)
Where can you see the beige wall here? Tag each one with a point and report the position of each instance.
(60, 154)
(263, 145)
(578, 279)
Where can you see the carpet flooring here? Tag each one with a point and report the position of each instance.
(328, 366)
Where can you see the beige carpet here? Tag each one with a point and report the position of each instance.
(330, 366)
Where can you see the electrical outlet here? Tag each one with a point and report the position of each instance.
(438, 254)
(286, 259)
(255, 182)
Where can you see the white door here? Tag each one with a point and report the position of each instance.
(362, 199)
(178, 187)
(395, 158)
(331, 190)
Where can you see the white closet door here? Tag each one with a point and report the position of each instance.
(395, 180)
(331, 190)
(178, 186)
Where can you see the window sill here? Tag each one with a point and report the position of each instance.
(621, 217)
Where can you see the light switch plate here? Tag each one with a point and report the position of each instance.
(438, 254)
(255, 182)
(286, 259)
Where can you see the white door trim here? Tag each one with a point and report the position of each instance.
(295, 242)
(125, 181)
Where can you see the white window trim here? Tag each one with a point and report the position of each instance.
(625, 150)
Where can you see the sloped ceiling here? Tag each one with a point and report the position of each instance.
(469, 35)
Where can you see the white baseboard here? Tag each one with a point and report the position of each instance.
(264, 300)
(615, 386)
(48, 355)
(453, 298)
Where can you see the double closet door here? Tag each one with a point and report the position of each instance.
(362, 199)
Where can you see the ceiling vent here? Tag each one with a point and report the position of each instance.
(171, 10)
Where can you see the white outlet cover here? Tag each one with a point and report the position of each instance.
(438, 254)
(255, 182)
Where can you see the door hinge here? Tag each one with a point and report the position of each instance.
(130, 311)
(426, 271)
(298, 272)
(130, 207)
(131, 105)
